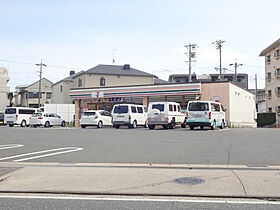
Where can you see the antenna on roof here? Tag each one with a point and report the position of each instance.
(113, 55)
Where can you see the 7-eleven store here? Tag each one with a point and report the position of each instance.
(105, 98)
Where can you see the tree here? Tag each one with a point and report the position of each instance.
(10, 98)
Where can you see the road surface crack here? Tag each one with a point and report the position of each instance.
(244, 189)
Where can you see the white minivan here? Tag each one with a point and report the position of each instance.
(130, 115)
(166, 114)
(205, 114)
(19, 115)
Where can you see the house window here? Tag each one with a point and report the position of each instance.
(80, 82)
(277, 91)
(277, 72)
(49, 95)
(33, 95)
(102, 81)
(268, 58)
(269, 93)
(277, 53)
(268, 76)
(278, 109)
(269, 109)
(60, 88)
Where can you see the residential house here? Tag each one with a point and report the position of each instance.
(102, 76)
(28, 96)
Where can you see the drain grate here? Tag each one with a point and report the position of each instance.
(189, 180)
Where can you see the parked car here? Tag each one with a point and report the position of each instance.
(166, 114)
(130, 115)
(97, 118)
(46, 119)
(19, 115)
(205, 113)
(2, 118)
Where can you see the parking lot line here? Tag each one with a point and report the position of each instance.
(68, 149)
(74, 149)
(10, 146)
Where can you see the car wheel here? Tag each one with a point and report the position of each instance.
(172, 124)
(213, 127)
(47, 124)
(183, 125)
(191, 127)
(100, 124)
(63, 124)
(11, 125)
(133, 125)
(151, 127)
(146, 124)
(201, 127)
(83, 126)
(222, 125)
(116, 126)
(23, 123)
(165, 126)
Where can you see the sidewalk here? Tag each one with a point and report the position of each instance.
(132, 179)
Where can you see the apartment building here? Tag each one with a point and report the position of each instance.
(28, 96)
(242, 79)
(272, 72)
(4, 88)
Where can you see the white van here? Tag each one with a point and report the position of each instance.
(19, 115)
(130, 115)
(205, 113)
(166, 114)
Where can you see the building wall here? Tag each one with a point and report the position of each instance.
(239, 103)
(4, 89)
(242, 107)
(210, 91)
(274, 82)
(61, 97)
(92, 80)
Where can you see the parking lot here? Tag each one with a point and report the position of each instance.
(252, 147)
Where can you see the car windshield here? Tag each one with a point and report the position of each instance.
(160, 107)
(121, 109)
(88, 113)
(10, 111)
(198, 107)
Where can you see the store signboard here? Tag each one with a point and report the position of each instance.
(97, 94)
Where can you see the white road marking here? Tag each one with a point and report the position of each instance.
(10, 146)
(68, 149)
(74, 149)
(221, 201)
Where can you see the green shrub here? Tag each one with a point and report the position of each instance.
(268, 118)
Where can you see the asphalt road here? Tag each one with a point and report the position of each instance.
(60, 203)
(254, 147)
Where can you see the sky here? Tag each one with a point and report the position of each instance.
(149, 35)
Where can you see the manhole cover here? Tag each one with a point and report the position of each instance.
(189, 180)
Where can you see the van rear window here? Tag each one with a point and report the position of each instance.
(121, 109)
(10, 111)
(160, 107)
(198, 107)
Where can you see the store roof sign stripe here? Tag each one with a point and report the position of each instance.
(142, 93)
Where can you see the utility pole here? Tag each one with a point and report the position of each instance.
(40, 82)
(236, 65)
(191, 54)
(256, 84)
(219, 44)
